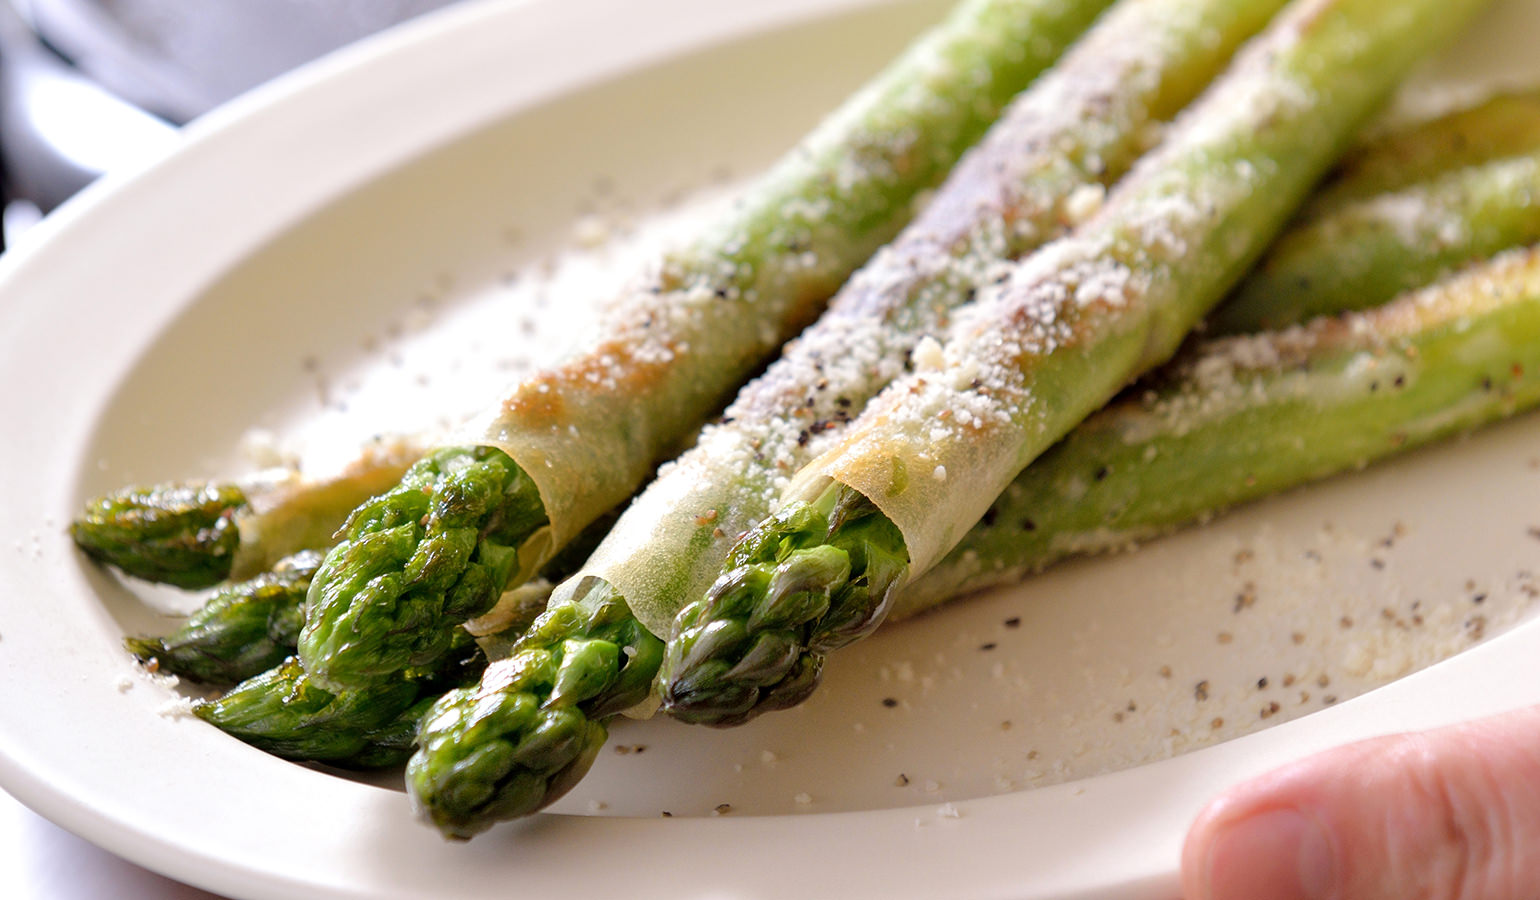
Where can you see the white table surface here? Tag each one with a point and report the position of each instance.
(41, 861)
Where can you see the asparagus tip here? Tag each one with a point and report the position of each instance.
(179, 534)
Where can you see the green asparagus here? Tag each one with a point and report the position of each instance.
(1043, 165)
(1071, 327)
(576, 439)
(433, 552)
(1463, 215)
(1247, 416)
(1499, 127)
(181, 535)
(283, 712)
(196, 535)
(243, 630)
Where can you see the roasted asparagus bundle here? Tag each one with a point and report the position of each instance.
(1223, 404)
(594, 652)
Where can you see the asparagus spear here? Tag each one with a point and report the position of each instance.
(1499, 127)
(243, 630)
(576, 439)
(1462, 215)
(592, 653)
(1247, 416)
(283, 712)
(1071, 327)
(198, 534)
(181, 535)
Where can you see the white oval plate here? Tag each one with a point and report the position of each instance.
(149, 323)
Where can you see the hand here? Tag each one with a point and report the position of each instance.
(1451, 813)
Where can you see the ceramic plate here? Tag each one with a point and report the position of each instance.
(356, 240)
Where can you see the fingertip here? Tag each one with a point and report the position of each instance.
(1281, 853)
(1456, 808)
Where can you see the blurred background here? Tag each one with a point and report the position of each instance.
(87, 86)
